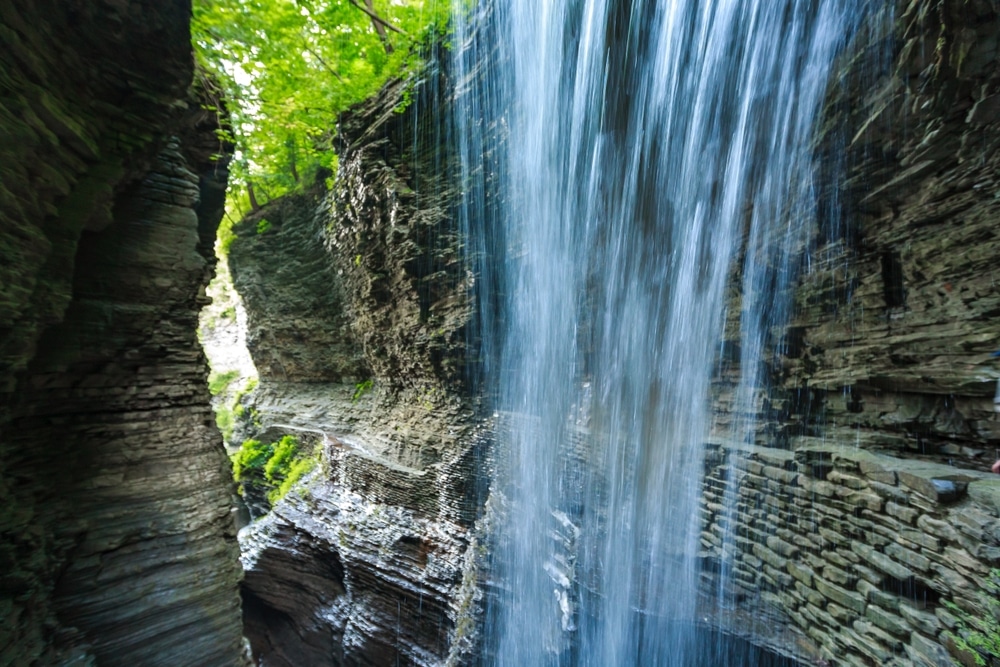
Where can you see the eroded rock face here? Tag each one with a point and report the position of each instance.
(868, 507)
(371, 560)
(117, 537)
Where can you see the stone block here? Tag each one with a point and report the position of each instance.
(937, 483)
(839, 576)
(840, 614)
(849, 557)
(920, 539)
(772, 599)
(865, 643)
(818, 487)
(779, 546)
(926, 652)
(781, 475)
(867, 627)
(836, 558)
(962, 559)
(850, 599)
(986, 492)
(920, 619)
(875, 595)
(888, 621)
(890, 492)
(832, 536)
(778, 578)
(824, 617)
(975, 523)
(877, 472)
(800, 572)
(948, 579)
(843, 479)
(946, 617)
(812, 596)
(769, 556)
(882, 562)
(908, 557)
(868, 574)
(906, 514)
(866, 499)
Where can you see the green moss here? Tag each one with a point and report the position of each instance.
(285, 451)
(362, 388)
(979, 635)
(224, 421)
(296, 471)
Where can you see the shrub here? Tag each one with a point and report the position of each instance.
(252, 455)
(272, 469)
(219, 382)
(298, 469)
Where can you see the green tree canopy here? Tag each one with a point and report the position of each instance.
(287, 68)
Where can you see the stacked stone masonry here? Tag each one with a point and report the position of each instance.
(862, 553)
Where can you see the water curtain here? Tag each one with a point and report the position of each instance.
(629, 165)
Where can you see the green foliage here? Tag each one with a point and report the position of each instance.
(362, 388)
(288, 68)
(230, 410)
(979, 635)
(274, 467)
(224, 421)
(296, 471)
(263, 227)
(280, 461)
(251, 457)
(219, 382)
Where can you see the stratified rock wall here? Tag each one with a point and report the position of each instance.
(364, 294)
(868, 508)
(117, 539)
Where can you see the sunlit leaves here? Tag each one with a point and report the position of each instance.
(288, 68)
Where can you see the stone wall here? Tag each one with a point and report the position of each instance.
(116, 539)
(862, 553)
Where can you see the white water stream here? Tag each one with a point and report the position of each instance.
(619, 157)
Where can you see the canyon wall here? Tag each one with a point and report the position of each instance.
(357, 303)
(118, 542)
(868, 518)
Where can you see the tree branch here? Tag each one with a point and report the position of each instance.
(377, 19)
(379, 28)
(324, 64)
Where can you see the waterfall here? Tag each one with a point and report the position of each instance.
(627, 164)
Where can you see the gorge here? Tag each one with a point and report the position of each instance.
(625, 332)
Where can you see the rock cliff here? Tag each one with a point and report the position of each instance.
(357, 303)
(868, 515)
(118, 542)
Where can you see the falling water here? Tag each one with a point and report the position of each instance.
(619, 156)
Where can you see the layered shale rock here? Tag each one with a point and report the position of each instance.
(867, 514)
(357, 308)
(117, 536)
